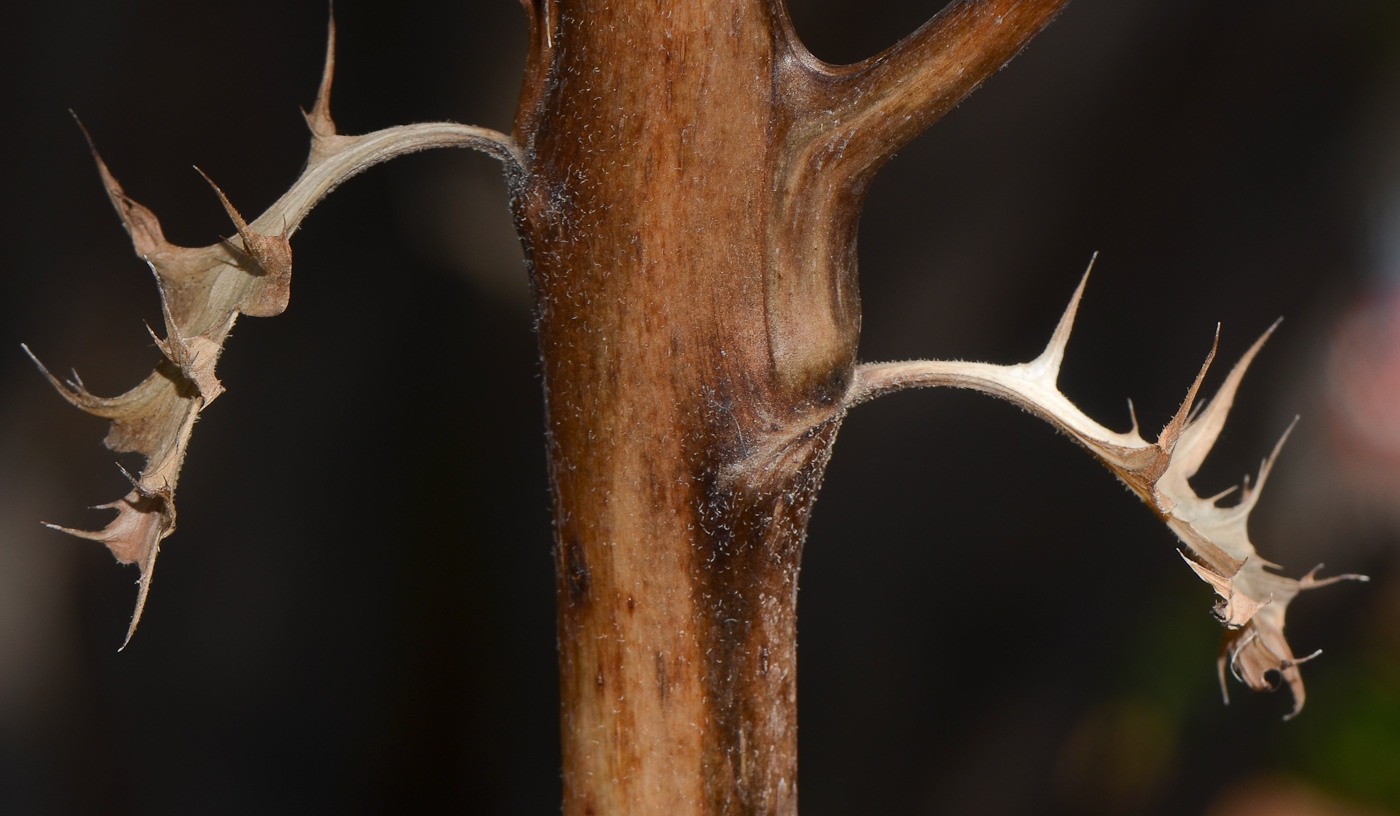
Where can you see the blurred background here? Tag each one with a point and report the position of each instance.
(356, 614)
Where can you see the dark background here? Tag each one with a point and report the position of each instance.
(356, 614)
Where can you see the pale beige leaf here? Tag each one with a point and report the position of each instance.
(203, 290)
(1215, 539)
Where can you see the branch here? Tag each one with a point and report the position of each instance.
(1215, 541)
(204, 290)
(864, 113)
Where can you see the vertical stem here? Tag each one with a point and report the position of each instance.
(682, 469)
(691, 237)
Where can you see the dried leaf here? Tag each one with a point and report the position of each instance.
(1215, 540)
(203, 291)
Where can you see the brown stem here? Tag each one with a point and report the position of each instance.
(682, 469)
(693, 262)
(542, 18)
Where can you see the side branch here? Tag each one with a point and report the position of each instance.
(1215, 540)
(876, 107)
(352, 155)
(203, 291)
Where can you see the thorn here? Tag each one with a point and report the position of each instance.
(86, 135)
(173, 347)
(1295, 686)
(233, 214)
(1267, 465)
(64, 390)
(319, 119)
(148, 568)
(171, 329)
(1133, 416)
(1235, 654)
(271, 253)
(109, 182)
(160, 344)
(87, 534)
(1173, 429)
(1227, 491)
(134, 483)
(1045, 368)
(140, 223)
(1220, 673)
(1298, 661)
(1310, 581)
(1214, 415)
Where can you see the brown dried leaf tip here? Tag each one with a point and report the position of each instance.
(203, 291)
(1215, 541)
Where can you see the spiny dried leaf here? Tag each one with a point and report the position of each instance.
(203, 290)
(1215, 539)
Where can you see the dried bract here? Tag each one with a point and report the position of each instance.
(1215, 541)
(203, 291)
